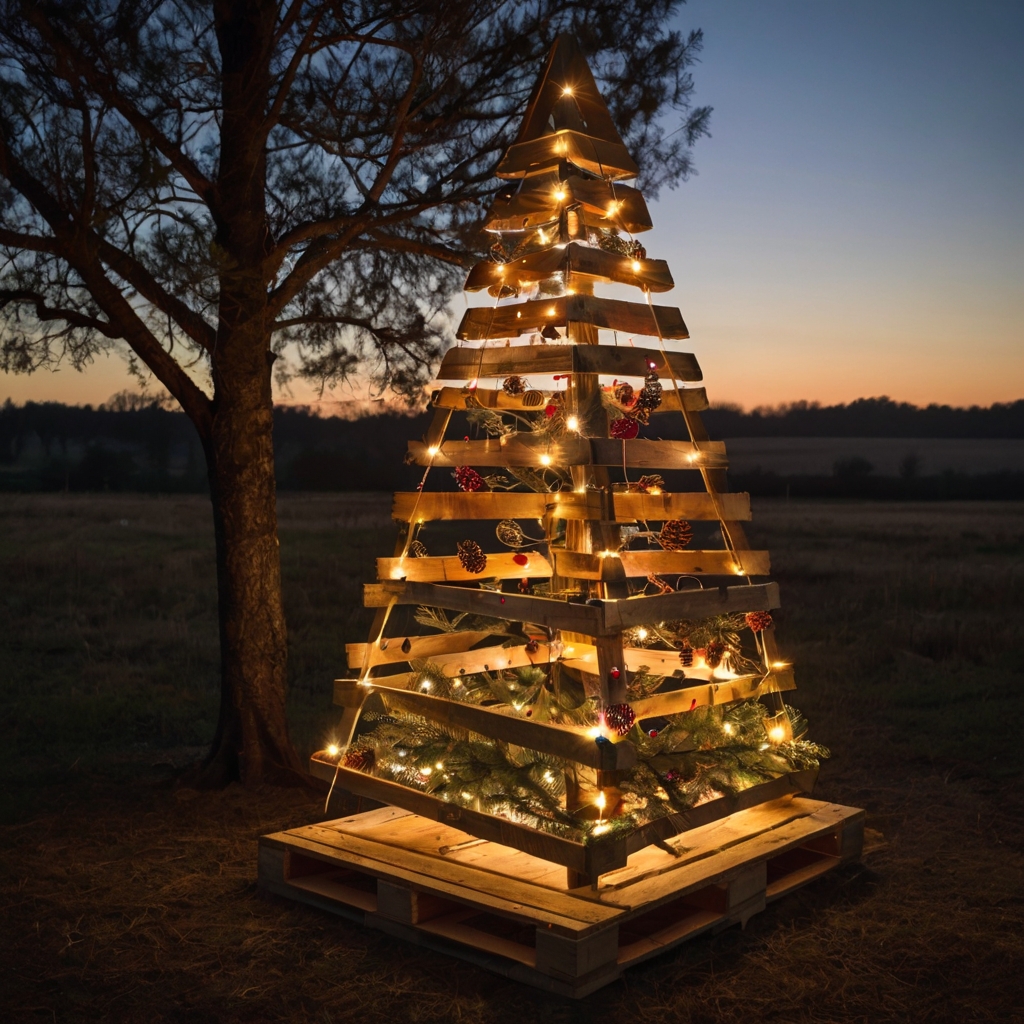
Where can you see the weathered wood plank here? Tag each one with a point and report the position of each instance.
(448, 568)
(431, 506)
(482, 323)
(709, 694)
(477, 823)
(592, 619)
(419, 647)
(493, 398)
(574, 259)
(610, 160)
(577, 565)
(688, 604)
(559, 740)
(534, 205)
(525, 449)
(687, 505)
(610, 360)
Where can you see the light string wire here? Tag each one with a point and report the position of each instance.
(712, 493)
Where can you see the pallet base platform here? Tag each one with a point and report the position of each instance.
(518, 915)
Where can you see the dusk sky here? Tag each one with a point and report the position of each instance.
(856, 226)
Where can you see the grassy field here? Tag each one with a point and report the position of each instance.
(129, 897)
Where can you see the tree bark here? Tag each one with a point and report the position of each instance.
(251, 743)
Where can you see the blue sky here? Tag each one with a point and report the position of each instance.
(857, 223)
(856, 226)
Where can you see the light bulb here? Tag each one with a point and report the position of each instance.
(433, 450)
(636, 266)
(776, 734)
(572, 423)
(567, 90)
(560, 194)
(601, 801)
(425, 684)
(332, 750)
(727, 728)
(545, 460)
(426, 771)
(641, 633)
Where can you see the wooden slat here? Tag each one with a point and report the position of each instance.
(526, 449)
(688, 505)
(494, 398)
(535, 204)
(543, 611)
(610, 160)
(575, 260)
(447, 877)
(610, 360)
(477, 823)
(431, 506)
(598, 618)
(449, 569)
(689, 604)
(558, 740)
(483, 322)
(419, 647)
(483, 659)
(578, 565)
(717, 691)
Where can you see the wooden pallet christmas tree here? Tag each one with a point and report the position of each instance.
(572, 667)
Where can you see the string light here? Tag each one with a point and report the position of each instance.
(636, 266)
(560, 194)
(641, 633)
(433, 450)
(567, 90)
(545, 460)
(572, 423)
(332, 750)
(425, 683)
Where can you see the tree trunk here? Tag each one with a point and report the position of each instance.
(251, 743)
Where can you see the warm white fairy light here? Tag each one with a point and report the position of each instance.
(636, 266)
(560, 194)
(728, 728)
(433, 450)
(548, 777)
(545, 460)
(776, 734)
(567, 90)
(573, 423)
(641, 633)
(426, 770)
(425, 683)
(332, 750)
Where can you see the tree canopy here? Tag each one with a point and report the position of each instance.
(376, 126)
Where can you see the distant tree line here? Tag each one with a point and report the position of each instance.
(137, 444)
(868, 417)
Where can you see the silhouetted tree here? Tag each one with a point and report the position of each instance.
(201, 184)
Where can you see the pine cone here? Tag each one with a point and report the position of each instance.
(686, 655)
(619, 718)
(650, 481)
(758, 621)
(514, 385)
(650, 394)
(360, 760)
(468, 478)
(624, 393)
(418, 549)
(713, 653)
(625, 428)
(675, 535)
(471, 556)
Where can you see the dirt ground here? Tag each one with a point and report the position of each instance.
(127, 896)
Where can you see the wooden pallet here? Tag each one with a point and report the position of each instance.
(514, 914)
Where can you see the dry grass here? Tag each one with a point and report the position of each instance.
(129, 898)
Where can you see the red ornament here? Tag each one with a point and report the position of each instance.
(758, 621)
(550, 410)
(468, 478)
(521, 559)
(625, 429)
(619, 718)
(615, 673)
